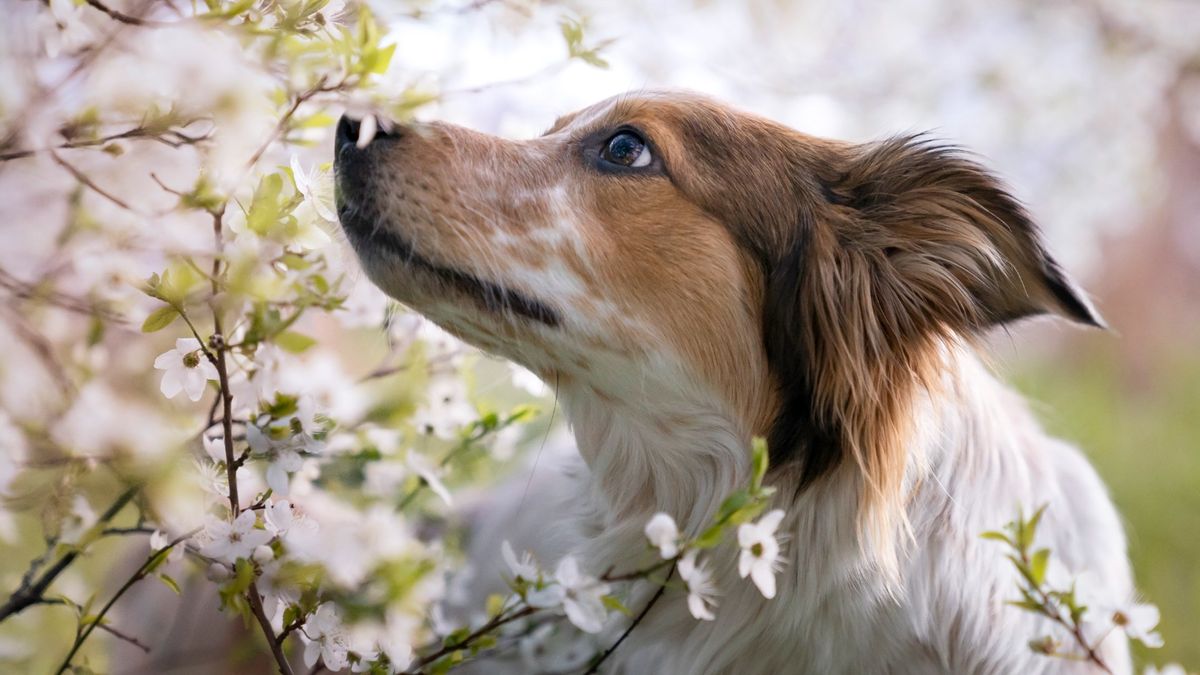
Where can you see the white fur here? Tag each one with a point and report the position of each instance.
(977, 456)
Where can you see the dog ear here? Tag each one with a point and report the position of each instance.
(944, 239)
(912, 248)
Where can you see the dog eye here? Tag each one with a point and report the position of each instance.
(626, 149)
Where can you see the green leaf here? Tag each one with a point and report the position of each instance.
(1027, 605)
(996, 536)
(495, 603)
(294, 342)
(759, 461)
(1037, 565)
(612, 603)
(381, 59)
(159, 319)
(170, 583)
(266, 206)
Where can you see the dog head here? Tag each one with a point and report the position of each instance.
(662, 240)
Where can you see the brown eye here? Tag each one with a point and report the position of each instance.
(626, 148)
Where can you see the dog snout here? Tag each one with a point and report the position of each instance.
(349, 130)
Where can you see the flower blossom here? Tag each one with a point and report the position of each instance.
(325, 638)
(582, 596)
(663, 535)
(759, 558)
(185, 369)
(230, 541)
(306, 184)
(1139, 620)
(701, 589)
(523, 568)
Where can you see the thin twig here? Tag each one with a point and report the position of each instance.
(142, 571)
(30, 592)
(595, 668)
(171, 137)
(127, 18)
(83, 178)
(122, 636)
(496, 622)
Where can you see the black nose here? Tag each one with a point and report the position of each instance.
(348, 130)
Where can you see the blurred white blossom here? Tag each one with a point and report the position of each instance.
(663, 534)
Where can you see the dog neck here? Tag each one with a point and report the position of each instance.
(679, 452)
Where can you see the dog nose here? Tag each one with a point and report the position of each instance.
(349, 129)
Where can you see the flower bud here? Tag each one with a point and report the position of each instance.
(263, 554)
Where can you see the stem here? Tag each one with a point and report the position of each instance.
(496, 622)
(153, 561)
(1073, 627)
(638, 619)
(30, 592)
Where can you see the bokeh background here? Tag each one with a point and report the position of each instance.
(1089, 109)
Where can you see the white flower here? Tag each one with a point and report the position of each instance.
(1139, 621)
(701, 590)
(325, 638)
(64, 29)
(421, 466)
(214, 446)
(278, 516)
(263, 554)
(160, 539)
(230, 541)
(446, 409)
(306, 185)
(185, 369)
(366, 131)
(282, 459)
(522, 568)
(582, 596)
(759, 558)
(663, 535)
(76, 523)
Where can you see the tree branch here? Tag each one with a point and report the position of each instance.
(595, 668)
(30, 592)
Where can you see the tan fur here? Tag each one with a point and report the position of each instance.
(778, 268)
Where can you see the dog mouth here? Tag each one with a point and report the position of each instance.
(369, 233)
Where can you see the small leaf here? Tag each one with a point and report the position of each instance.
(170, 583)
(1037, 565)
(495, 603)
(996, 536)
(294, 342)
(612, 603)
(159, 319)
(759, 462)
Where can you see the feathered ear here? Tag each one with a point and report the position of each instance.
(945, 231)
(915, 247)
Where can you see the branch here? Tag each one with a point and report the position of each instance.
(30, 592)
(171, 137)
(153, 561)
(82, 178)
(638, 619)
(496, 622)
(126, 18)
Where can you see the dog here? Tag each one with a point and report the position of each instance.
(689, 277)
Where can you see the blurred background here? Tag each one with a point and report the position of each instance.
(1089, 109)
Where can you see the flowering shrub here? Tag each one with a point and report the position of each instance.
(197, 236)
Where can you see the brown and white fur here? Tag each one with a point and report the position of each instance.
(750, 280)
